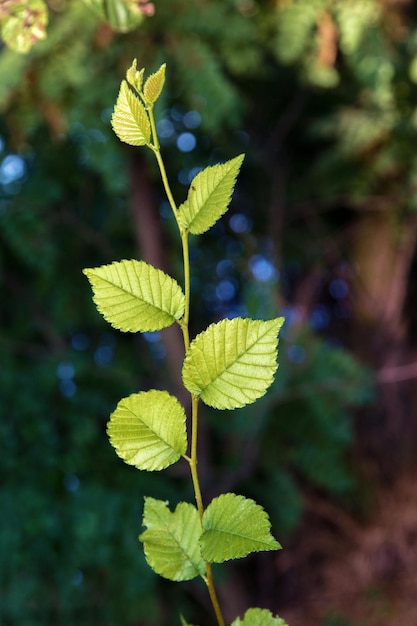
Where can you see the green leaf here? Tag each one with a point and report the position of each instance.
(154, 85)
(121, 17)
(147, 429)
(24, 24)
(135, 76)
(234, 526)
(259, 617)
(233, 362)
(135, 296)
(120, 14)
(130, 121)
(209, 196)
(171, 540)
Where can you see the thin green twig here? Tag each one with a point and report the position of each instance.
(184, 323)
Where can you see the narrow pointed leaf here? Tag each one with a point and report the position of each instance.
(147, 430)
(259, 617)
(171, 540)
(135, 76)
(233, 362)
(209, 196)
(153, 86)
(135, 296)
(130, 121)
(234, 526)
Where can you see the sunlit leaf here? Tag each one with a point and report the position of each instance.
(171, 540)
(259, 617)
(135, 76)
(130, 121)
(234, 526)
(233, 362)
(209, 196)
(24, 24)
(154, 85)
(147, 430)
(135, 296)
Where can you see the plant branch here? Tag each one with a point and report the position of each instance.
(156, 150)
(186, 319)
(213, 595)
(193, 460)
(184, 323)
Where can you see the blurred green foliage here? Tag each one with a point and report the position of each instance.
(321, 96)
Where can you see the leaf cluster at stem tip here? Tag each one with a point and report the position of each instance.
(229, 365)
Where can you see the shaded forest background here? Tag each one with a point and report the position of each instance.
(321, 95)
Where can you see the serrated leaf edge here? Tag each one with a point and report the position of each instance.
(197, 390)
(169, 532)
(129, 113)
(257, 509)
(170, 451)
(187, 221)
(153, 85)
(93, 273)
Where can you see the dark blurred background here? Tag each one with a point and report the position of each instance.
(322, 97)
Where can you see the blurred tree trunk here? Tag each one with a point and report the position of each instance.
(383, 250)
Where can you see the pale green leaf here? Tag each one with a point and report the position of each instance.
(147, 429)
(24, 24)
(259, 617)
(130, 121)
(234, 526)
(171, 540)
(135, 76)
(135, 296)
(209, 196)
(233, 362)
(154, 85)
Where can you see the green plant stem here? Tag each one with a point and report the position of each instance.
(157, 152)
(192, 460)
(197, 490)
(213, 595)
(187, 290)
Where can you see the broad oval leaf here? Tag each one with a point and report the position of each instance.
(209, 196)
(171, 540)
(233, 362)
(147, 430)
(153, 86)
(135, 296)
(130, 120)
(233, 527)
(259, 617)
